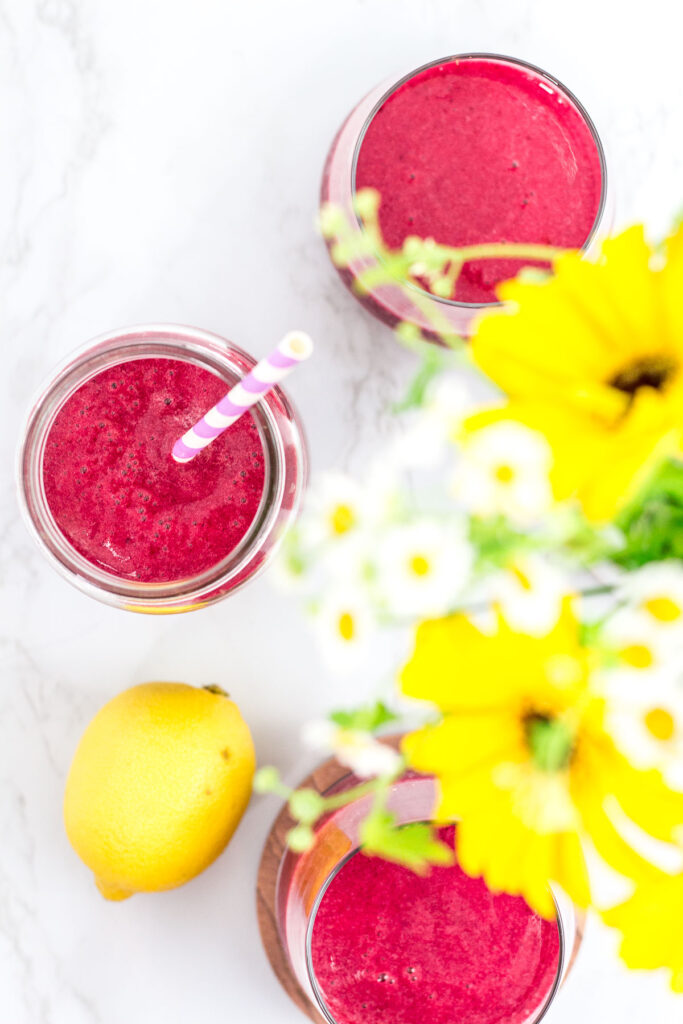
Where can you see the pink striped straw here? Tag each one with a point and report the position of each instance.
(292, 350)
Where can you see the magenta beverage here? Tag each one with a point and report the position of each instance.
(371, 942)
(390, 945)
(116, 513)
(468, 150)
(117, 497)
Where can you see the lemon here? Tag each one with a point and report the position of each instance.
(158, 784)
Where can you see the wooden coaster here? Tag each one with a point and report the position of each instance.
(324, 776)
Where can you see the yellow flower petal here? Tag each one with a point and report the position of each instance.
(507, 346)
(671, 286)
(464, 742)
(461, 796)
(603, 468)
(456, 667)
(593, 358)
(644, 797)
(650, 923)
(571, 871)
(608, 842)
(459, 668)
(628, 285)
(537, 871)
(510, 857)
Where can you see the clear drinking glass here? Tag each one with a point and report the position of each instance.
(405, 302)
(303, 879)
(285, 469)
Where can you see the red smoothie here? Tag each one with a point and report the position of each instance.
(118, 496)
(392, 947)
(480, 150)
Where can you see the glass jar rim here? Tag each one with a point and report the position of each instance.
(173, 341)
(500, 58)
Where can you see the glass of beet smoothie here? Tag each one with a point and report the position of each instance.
(115, 514)
(371, 942)
(467, 150)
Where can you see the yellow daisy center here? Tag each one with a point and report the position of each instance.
(521, 577)
(660, 723)
(663, 609)
(419, 565)
(504, 474)
(342, 519)
(346, 626)
(653, 371)
(637, 656)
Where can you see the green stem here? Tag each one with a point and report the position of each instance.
(602, 588)
(436, 319)
(502, 250)
(281, 790)
(377, 785)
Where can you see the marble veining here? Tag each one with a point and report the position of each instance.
(160, 160)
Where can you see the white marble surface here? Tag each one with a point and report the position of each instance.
(159, 160)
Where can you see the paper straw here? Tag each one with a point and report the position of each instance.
(293, 349)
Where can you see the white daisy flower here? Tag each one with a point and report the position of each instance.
(422, 567)
(504, 471)
(529, 593)
(334, 510)
(344, 622)
(448, 401)
(483, 617)
(349, 566)
(420, 446)
(644, 651)
(655, 593)
(435, 425)
(358, 750)
(384, 493)
(649, 731)
(340, 507)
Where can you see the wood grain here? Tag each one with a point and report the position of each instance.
(324, 776)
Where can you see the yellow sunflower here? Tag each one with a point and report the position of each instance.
(593, 358)
(523, 760)
(650, 923)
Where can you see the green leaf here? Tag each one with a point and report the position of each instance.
(267, 780)
(652, 524)
(300, 838)
(331, 220)
(294, 557)
(590, 545)
(677, 222)
(307, 805)
(495, 541)
(590, 633)
(367, 719)
(414, 846)
(409, 334)
(442, 287)
(366, 203)
(433, 362)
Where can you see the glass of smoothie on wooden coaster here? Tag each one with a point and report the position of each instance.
(469, 150)
(113, 510)
(366, 941)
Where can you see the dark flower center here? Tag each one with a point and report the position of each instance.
(550, 740)
(649, 372)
